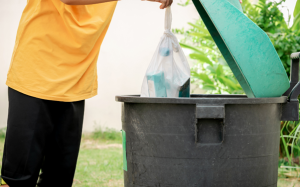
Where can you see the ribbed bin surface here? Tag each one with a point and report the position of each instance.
(207, 140)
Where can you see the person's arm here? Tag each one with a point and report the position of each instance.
(164, 3)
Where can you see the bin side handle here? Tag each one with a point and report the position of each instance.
(290, 110)
(210, 112)
(215, 112)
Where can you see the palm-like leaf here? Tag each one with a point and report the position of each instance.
(296, 24)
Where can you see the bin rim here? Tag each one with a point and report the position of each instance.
(211, 99)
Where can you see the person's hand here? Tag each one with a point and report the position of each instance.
(241, 1)
(164, 3)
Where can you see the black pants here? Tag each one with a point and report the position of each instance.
(41, 136)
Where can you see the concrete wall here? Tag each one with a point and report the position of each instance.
(125, 54)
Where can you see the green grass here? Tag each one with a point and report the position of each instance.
(100, 161)
(288, 183)
(106, 134)
(1, 149)
(99, 165)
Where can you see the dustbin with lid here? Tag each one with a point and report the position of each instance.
(215, 140)
(206, 140)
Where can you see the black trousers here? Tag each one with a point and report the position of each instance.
(41, 136)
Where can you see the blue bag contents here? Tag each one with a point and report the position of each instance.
(157, 85)
(164, 51)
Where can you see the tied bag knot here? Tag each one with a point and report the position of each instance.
(173, 38)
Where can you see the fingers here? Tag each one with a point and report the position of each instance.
(164, 3)
(241, 1)
(162, 6)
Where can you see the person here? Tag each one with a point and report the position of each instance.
(52, 72)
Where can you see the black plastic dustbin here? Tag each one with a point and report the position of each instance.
(206, 140)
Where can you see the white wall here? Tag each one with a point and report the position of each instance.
(125, 54)
(10, 14)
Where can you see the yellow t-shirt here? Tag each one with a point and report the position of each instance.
(57, 48)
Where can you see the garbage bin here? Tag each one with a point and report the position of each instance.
(205, 140)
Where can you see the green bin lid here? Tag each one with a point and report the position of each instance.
(246, 48)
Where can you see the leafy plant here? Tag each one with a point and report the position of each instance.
(290, 139)
(267, 15)
(210, 71)
(290, 149)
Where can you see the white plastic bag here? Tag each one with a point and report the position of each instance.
(168, 74)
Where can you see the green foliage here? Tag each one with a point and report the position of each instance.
(99, 167)
(289, 149)
(269, 18)
(185, 3)
(210, 72)
(290, 139)
(2, 133)
(266, 15)
(296, 24)
(101, 133)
